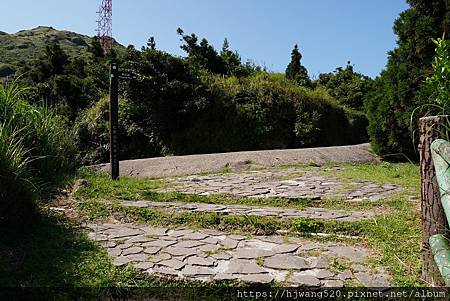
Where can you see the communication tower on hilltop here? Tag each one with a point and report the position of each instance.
(104, 29)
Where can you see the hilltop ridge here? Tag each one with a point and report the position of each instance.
(21, 48)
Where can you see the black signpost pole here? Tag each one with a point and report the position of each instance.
(114, 120)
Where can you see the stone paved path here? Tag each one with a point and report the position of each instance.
(285, 183)
(209, 255)
(318, 213)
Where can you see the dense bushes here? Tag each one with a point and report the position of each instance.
(36, 148)
(176, 108)
(208, 101)
(348, 87)
(273, 112)
(69, 84)
(92, 134)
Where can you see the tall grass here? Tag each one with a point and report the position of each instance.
(36, 150)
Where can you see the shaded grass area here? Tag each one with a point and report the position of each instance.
(395, 236)
(58, 260)
(55, 253)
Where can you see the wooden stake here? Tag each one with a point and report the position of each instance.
(433, 217)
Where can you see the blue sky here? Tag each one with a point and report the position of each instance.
(329, 32)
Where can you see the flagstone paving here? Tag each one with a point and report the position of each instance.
(210, 255)
(285, 213)
(283, 183)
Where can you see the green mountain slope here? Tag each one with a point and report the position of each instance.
(21, 48)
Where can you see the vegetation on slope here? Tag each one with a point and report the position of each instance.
(36, 148)
(21, 49)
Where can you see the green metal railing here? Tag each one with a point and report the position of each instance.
(439, 243)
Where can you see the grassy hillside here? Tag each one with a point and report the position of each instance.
(21, 48)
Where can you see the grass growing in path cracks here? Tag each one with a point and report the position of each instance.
(395, 236)
(98, 211)
(103, 188)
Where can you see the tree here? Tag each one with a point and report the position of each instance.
(347, 86)
(68, 83)
(202, 54)
(400, 88)
(151, 43)
(296, 71)
(231, 59)
(54, 62)
(57, 58)
(96, 48)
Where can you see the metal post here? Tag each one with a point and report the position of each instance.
(114, 120)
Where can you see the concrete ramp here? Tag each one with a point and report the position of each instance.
(210, 163)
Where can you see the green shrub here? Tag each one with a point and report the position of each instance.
(439, 81)
(36, 150)
(92, 134)
(16, 185)
(173, 108)
(305, 225)
(276, 113)
(347, 86)
(265, 111)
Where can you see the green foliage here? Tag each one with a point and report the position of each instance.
(57, 61)
(178, 108)
(296, 71)
(16, 189)
(36, 148)
(400, 89)
(92, 134)
(439, 82)
(307, 225)
(206, 102)
(71, 84)
(348, 87)
(282, 114)
(203, 55)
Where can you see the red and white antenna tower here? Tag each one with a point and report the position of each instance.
(104, 29)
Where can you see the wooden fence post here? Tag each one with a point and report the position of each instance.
(433, 216)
